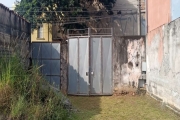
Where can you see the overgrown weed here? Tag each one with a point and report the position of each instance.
(25, 94)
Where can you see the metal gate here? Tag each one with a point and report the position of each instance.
(90, 65)
(48, 55)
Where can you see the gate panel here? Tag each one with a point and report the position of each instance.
(36, 50)
(47, 55)
(55, 67)
(73, 66)
(46, 50)
(36, 54)
(107, 65)
(83, 66)
(96, 66)
(55, 51)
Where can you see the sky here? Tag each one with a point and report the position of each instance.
(8, 3)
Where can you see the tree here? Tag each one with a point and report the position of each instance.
(67, 13)
(40, 11)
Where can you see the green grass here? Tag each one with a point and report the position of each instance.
(25, 95)
(120, 108)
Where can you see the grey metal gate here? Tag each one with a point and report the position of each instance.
(90, 65)
(48, 55)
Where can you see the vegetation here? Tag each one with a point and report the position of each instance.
(67, 14)
(49, 11)
(121, 108)
(26, 95)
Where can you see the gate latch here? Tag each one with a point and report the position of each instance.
(87, 73)
(92, 73)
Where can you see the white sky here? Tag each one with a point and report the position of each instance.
(8, 3)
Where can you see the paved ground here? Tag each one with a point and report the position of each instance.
(121, 108)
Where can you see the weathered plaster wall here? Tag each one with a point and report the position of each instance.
(175, 9)
(159, 13)
(128, 53)
(163, 58)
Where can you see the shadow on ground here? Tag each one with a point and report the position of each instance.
(126, 107)
(85, 107)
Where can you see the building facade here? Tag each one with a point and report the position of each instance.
(42, 34)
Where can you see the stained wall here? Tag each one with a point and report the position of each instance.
(163, 58)
(128, 55)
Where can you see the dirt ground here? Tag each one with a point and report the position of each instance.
(122, 107)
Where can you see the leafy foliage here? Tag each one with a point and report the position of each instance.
(50, 11)
(68, 14)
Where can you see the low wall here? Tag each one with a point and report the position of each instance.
(163, 63)
(128, 54)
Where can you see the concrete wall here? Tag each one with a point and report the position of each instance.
(163, 58)
(175, 9)
(47, 34)
(127, 22)
(159, 13)
(128, 54)
(14, 33)
(12, 25)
